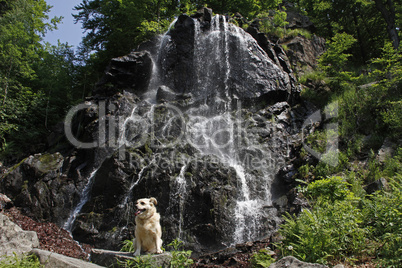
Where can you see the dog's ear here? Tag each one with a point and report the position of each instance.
(153, 200)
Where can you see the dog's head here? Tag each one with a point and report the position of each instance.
(145, 207)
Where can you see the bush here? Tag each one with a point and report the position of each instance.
(329, 231)
(145, 261)
(23, 261)
(179, 258)
(334, 58)
(383, 215)
(128, 246)
(262, 259)
(330, 189)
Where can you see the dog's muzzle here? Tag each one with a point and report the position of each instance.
(139, 211)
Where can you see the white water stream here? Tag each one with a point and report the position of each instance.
(213, 127)
(214, 130)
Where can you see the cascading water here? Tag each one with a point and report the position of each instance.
(200, 118)
(181, 192)
(155, 81)
(68, 225)
(213, 126)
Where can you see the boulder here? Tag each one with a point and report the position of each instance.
(165, 94)
(5, 202)
(41, 185)
(292, 262)
(50, 260)
(204, 15)
(299, 21)
(304, 52)
(380, 184)
(110, 258)
(131, 72)
(15, 240)
(386, 151)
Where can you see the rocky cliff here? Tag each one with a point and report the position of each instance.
(206, 118)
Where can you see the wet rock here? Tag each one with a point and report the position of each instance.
(238, 256)
(165, 94)
(253, 77)
(204, 15)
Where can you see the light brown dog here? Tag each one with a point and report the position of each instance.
(148, 230)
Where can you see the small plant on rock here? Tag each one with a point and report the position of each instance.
(180, 258)
(262, 259)
(23, 261)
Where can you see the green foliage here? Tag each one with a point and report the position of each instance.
(373, 108)
(35, 79)
(180, 258)
(327, 231)
(388, 89)
(330, 189)
(358, 18)
(248, 8)
(344, 222)
(261, 259)
(108, 23)
(383, 214)
(144, 261)
(274, 23)
(334, 58)
(23, 261)
(128, 246)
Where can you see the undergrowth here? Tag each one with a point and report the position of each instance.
(180, 258)
(345, 222)
(20, 261)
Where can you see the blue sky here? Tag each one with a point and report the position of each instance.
(67, 30)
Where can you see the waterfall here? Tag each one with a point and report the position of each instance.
(156, 58)
(213, 127)
(130, 190)
(181, 186)
(68, 225)
(204, 122)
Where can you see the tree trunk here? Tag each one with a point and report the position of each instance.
(6, 83)
(359, 37)
(388, 13)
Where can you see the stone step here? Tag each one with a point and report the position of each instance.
(110, 258)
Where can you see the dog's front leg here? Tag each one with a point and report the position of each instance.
(159, 246)
(137, 247)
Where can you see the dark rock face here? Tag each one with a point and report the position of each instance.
(236, 64)
(130, 72)
(297, 21)
(207, 121)
(303, 53)
(42, 189)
